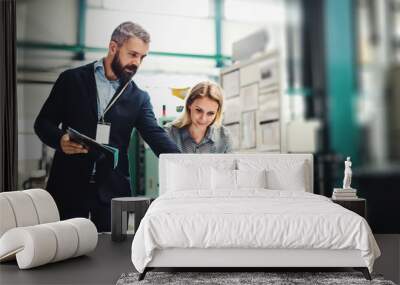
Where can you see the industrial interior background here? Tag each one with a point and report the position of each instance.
(299, 76)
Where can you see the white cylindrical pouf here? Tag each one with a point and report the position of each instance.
(34, 246)
(23, 208)
(87, 234)
(45, 205)
(67, 240)
(7, 218)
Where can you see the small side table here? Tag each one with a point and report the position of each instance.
(357, 205)
(120, 207)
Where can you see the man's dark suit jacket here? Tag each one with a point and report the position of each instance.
(73, 103)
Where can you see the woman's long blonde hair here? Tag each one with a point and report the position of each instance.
(203, 89)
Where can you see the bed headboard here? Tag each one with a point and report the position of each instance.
(285, 165)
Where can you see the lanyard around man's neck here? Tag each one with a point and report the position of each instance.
(114, 99)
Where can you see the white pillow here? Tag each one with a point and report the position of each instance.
(183, 177)
(281, 180)
(282, 174)
(251, 178)
(223, 179)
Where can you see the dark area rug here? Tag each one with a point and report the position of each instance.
(229, 278)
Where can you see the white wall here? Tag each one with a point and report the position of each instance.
(244, 17)
(168, 33)
(30, 99)
(50, 21)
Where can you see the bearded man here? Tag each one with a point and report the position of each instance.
(101, 101)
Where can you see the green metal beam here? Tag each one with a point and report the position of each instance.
(77, 48)
(341, 77)
(81, 29)
(218, 5)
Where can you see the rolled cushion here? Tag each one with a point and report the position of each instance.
(7, 218)
(45, 205)
(40, 244)
(33, 246)
(23, 208)
(26, 208)
(67, 240)
(87, 235)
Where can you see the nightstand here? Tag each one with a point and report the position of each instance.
(357, 205)
(120, 207)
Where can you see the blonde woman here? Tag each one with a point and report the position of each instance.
(199, 129)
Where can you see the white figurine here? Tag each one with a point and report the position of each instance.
(347, 174)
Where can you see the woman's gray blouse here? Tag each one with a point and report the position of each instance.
(216, 140)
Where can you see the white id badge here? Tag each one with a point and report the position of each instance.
(103, 133)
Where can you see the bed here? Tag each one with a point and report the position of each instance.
(247, 210)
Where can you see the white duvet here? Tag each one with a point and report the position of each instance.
(252, 218)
